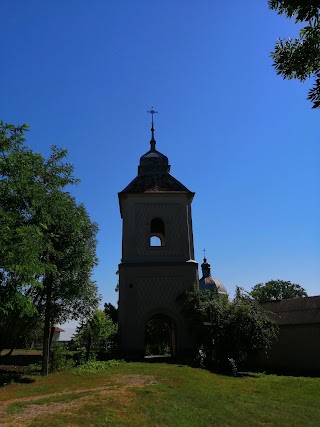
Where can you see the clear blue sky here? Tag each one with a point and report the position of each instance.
(83, 74)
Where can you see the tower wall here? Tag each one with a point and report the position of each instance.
(137, 213)
(148, 289)
(153, 278)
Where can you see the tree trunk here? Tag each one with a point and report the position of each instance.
(47, 325)
(51, 336)
(88, 347)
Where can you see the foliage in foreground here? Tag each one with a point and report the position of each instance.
(227, 332)
(276, 290)
(300, 58)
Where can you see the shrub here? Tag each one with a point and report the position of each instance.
(226, 332)
(60, 359)
(95, 366)
(96, 335)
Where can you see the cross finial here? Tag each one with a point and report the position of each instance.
(152, 142)
(152, 112)
(204, 254)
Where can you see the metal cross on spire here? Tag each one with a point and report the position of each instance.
(153, 142)
(152, 112)
(204, 254)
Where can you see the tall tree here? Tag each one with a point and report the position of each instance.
(276, 290)
(47, 241)
(299, 58)
(70, 247)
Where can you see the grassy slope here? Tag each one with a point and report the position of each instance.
(174, 396)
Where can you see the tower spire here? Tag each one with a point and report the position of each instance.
(152, 141)
(205, 266)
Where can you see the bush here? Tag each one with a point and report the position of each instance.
(95, 366)
(227, 332)
(79, 356)
(60, 358)
(97, 335)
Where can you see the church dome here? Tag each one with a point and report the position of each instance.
(153, 161)
(207, 282)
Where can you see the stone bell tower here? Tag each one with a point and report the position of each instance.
(157, 263)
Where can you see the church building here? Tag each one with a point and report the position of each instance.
(209, 283)
(157, 264)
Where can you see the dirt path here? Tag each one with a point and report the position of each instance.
(30, 412)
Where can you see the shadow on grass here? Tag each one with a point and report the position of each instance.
(6, 379)
(20, 359)
(248, 374)
(291, 373)
(14, 367)
(194, 364)
(159, 359)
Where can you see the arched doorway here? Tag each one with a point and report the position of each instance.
(160, 336)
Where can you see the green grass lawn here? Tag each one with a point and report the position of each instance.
(160, 394)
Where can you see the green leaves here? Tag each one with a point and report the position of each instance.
(228, 330)
(315, 91)
(95, 333)
(43, 233)
(303, 10)
(28, 185)
(276, 290)
(297, 59)
(300, 58)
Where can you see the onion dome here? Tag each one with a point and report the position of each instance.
(207, 282)
(153, 162)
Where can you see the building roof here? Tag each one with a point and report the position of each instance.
(155, 183)
(57, 329)
(294, 311)
(209, 283)
(153, 174)
(153, 161)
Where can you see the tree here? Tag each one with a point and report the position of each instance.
(111, 311)
(276, 290)
(17, 313)
(95, 333)
(300, 58)
(47, 247)
(227, 332)
(20, 238)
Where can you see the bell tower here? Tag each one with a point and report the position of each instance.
(157, 264)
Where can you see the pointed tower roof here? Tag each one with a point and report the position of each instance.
(207, 282)
(153, 172)
(153, 162)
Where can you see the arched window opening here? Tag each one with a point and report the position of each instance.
(160, 336)
(157, 226)
(157, 232)
(155, 241)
